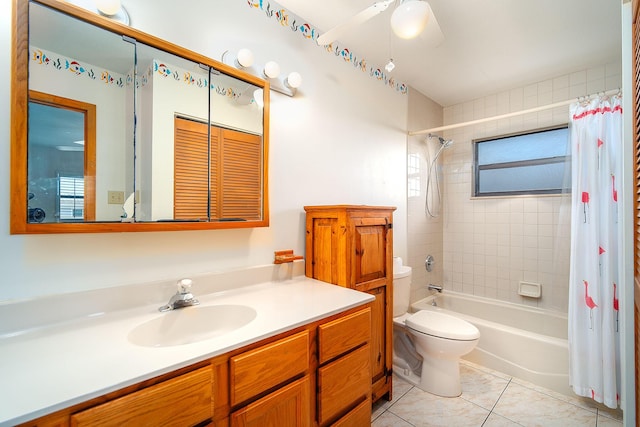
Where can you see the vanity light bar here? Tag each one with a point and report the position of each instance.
(244, 60)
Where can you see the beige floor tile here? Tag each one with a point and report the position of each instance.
(514, 402)
(582, 402)
(615, 414)
(400, 388)
(390, 420)
(423, 409)
(480, 387)
(608, 422)
(533, 408)
(495, 420)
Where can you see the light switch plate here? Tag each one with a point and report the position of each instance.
(115, 197)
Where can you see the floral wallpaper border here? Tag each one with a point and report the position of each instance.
(79, 69)
(297, 25)
(60, 63)
(166, 70)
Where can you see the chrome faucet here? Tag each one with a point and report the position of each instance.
(182, 298)
(434, 287)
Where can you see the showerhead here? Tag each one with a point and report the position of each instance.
(445, 142)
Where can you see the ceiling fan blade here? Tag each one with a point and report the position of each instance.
(432, 33)
(336, 32)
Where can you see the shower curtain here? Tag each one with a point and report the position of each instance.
(594, 350)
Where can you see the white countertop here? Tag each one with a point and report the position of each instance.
(48, 368)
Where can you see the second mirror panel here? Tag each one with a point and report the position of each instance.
(194, 163)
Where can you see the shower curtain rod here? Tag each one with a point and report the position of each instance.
(505, 116)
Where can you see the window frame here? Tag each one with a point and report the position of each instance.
(475, 189)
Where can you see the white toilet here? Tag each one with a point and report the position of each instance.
(427, 345)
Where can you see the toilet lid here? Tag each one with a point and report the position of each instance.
(442, 325)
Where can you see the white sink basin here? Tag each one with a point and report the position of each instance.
(191, 324)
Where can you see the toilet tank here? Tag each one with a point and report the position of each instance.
(401, 289)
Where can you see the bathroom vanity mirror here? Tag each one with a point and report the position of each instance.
(116, 130)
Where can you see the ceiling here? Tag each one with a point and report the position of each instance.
(489, 45)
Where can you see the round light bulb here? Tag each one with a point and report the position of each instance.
(271, 69)
(258, 96)
(410, 18)
(294, 80)
(108, 7)
(245, 58)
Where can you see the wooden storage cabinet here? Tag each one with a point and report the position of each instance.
(352, 246)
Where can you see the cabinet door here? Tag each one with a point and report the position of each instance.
(289, 406)
(370, 244)
(186, 398)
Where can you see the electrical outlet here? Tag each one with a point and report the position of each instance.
(115, 197)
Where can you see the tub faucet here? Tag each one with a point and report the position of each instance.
(182, 298)
(434, 287)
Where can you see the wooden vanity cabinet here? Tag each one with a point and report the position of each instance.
(314, 375)
(352, 246)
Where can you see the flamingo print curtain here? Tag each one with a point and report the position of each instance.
(596, 141)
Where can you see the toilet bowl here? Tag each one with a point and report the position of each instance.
(428, 344)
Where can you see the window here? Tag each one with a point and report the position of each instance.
(413, 175)
(530, 163)
(71, 197)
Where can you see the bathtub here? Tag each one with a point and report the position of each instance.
(524, 342)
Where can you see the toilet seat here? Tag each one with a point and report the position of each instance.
(442, 325)
(400, 320)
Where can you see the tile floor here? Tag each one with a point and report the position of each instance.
(489, 399)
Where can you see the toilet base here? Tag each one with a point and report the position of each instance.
(407, 375)
(438, 376)
(441, 376)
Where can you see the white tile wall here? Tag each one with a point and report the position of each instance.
(424, 233)
(489, 245)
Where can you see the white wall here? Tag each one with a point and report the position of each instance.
(490, 244)
(342, 139)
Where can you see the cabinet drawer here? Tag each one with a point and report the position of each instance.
(343, 383)
(186, 398)
(289, 406)
(360, 416)
(265, 367)
(341, 335)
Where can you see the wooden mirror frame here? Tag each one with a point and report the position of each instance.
(19, 127)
